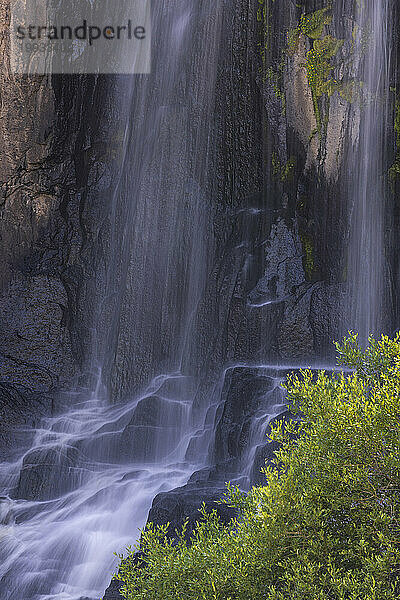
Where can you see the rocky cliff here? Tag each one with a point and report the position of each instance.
(56, 176)
(280, 215)
(283, 110)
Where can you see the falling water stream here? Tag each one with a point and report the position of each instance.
(82, 489)
(366, 258)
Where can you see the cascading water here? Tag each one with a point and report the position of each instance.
(160, 248)
(367, 269)
(84, 486)
(83, 489)
(81, 500)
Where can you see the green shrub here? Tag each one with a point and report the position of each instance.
(326, 524)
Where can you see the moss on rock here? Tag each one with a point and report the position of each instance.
(394, 171)
(285, 171)
(308, 255)
(313, 24)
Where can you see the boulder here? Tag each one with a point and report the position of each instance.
(244, 392)
(113, 591)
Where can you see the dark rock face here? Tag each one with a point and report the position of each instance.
(276, 262)
(244, 393)
(151, 432)
(183, 504)
(112, 592)
(251, 399)
(141, 438)
(277, 259)
(265, 452)
(275, 275)
(47, 474)
(50, 242)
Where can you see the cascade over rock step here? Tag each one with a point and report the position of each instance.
(48, 473)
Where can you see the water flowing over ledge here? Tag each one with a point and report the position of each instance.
(211, 229)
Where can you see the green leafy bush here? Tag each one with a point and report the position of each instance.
(326, 524)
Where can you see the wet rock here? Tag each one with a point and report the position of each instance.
(252, 399)
(244, 393)
(48, 473)
(284, 284)
(35, 349)
(155, 411)
(19, 406)
(295, 334)
(178, 387)
(265, 453)
(183, 503)
(141, 439)
(284, 267)
(113, 591)
(326, 317)
(198, 446)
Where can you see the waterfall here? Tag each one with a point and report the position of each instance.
(204, 303)
(160, 244)
(367, 269)
(83, 488)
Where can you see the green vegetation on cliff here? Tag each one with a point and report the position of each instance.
(308, 255)
(312, 25)
(394, 171)
(321, 60)
(326, 524)
(283, 172)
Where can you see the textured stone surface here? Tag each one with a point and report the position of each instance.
(274, 275)
(50, 238)
(47, 474)
(184, 503)
(112, 592)
(62, 141)
(153, 430)
(264, 453)
(245, 392)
